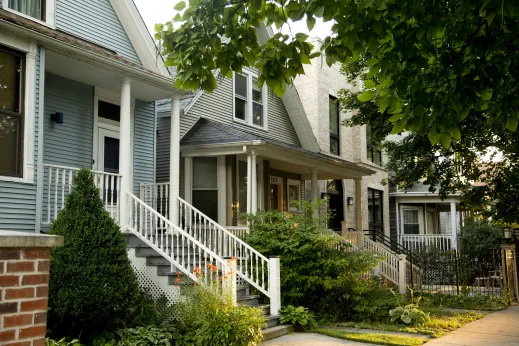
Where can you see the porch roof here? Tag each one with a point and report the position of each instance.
(83, 56)
(209, 137)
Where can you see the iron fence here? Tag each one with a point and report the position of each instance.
(453, 272)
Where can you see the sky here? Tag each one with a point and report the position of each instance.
(161, 11)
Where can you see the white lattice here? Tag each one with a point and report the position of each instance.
(149, 280)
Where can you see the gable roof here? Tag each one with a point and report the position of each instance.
(207, 132)
(139, 36)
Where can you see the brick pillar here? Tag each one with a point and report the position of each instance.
(24, 287)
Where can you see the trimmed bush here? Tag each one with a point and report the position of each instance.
(315, 271)
(93, 288)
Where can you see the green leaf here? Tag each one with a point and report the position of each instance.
(177, 18)
(511, 122)
(310, 22)
(367, 95)
(434, 137)
(180, 6)
(490, 18)
(371, 61)
(209, 84)
(384, 103)
(445, 140)
(368, 84)
(373, 45)
(455, 133)
(398, 127)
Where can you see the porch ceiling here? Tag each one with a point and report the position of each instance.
(92, 74)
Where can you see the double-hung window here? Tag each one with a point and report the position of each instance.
(250, 101)
(334, 111)
(376, 221)
(31, 8)
(373, 149)
(11, 112)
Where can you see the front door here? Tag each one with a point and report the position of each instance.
(108, 162)
(276, 193)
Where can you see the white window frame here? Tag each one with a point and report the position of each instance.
(248, 108)
(420, 219)
(292, 182)
(31, 49)
(50, 13)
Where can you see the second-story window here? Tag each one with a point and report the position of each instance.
(11, 112)
(250, 101)
(373, 148)
(334, 126)
(31, 8)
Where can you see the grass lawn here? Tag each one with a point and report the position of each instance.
(441, 323)
(378, 339)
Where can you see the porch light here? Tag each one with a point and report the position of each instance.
(507, 233)
(57, 117)
(350, 200)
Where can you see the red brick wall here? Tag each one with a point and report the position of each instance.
(24, 280)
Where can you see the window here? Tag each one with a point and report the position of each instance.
(249, 100)
(11, 112)
(375, 219)
(411, 221)
(334, 125)
(294, 195)
(109, 111)
(31, 8)
(374, 153)
(205, 186)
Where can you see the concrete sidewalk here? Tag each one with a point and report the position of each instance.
(310, 339)
(499, 328)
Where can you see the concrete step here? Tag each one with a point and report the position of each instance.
(248, 300)
(272, 320)
(277, 331)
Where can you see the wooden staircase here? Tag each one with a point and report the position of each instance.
(166, 276)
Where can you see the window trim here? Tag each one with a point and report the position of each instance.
(249, 102)
(22, 111)
(30, 50)
(338, 120)
(298, 184)
(372, 192)
(420, 219)
(48, 12)
(371, 151)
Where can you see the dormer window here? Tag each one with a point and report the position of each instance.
(250, 101)
(31, 8)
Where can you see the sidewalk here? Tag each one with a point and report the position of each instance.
(310, 339)
(499, 328)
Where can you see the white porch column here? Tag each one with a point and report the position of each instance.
(254, 184)
(314, 185)
(125, 150)
(358, 205)
(249, 184)
(174, 160)
(454, 226)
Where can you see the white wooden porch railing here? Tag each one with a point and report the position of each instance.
(58, 184)
(185, 253)
(238, 231)
(417, 242)
(253, 267)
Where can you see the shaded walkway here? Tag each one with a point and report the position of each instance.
(309, 339)
(498, 328)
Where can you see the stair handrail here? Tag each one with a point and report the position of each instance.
(252, 266)
(381, 237)
(145, 226)
(343, 241)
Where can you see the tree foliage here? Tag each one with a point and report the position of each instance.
(93, 288)
(436, 63)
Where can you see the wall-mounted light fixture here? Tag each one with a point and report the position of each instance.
(57, 117)
(350, 200)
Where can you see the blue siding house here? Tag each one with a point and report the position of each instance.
(81, 80)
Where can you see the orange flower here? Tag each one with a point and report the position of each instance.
(177, 280)
(179, 273)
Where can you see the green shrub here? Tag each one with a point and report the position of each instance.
(204, 318)
(478, 239)
(374, 304)
(298, 316)
(92, 285)
(145, 336)
(462, 301)
(61, 342)
(315, 271)
(409, 314)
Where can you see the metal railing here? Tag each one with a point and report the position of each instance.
(58, 181)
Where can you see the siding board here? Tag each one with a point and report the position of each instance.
(95, 21)
(144, 146)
